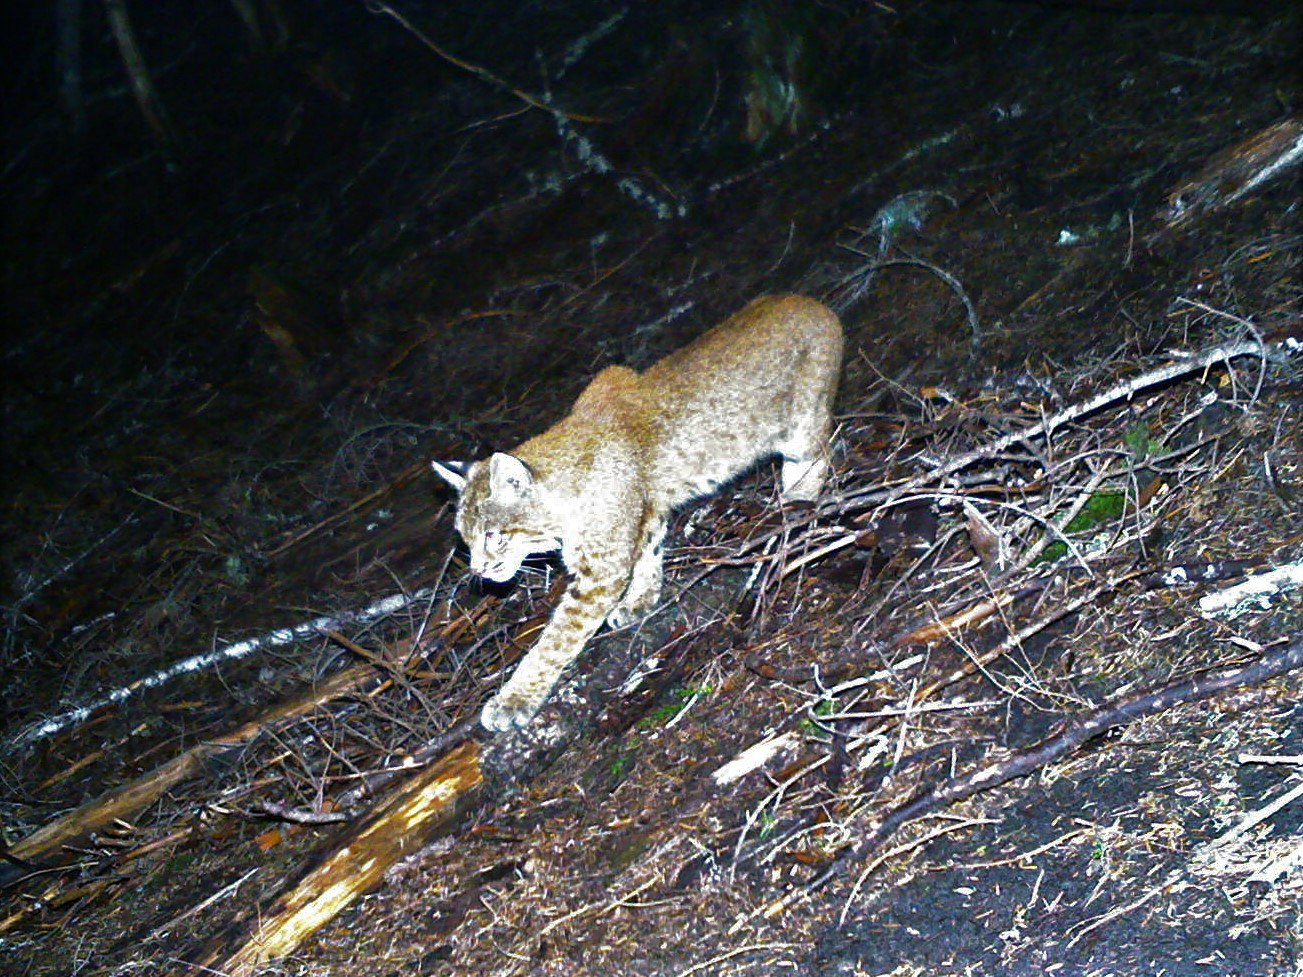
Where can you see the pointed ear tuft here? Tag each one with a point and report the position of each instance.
(452, 472)
(509, 476)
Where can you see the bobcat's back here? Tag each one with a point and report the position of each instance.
(760, 383)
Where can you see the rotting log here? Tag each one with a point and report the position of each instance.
(429, 804)
(433, 801)
(278, 923)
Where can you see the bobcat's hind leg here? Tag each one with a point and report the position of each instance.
(803, 478)
(805, 462)
(806, 449)
(644, 590)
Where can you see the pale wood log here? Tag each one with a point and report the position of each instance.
(433, 802)
(278, 923)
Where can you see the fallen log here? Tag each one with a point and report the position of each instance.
(466, 775)
(417, 813)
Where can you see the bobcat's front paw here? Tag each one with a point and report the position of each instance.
(620, 616)
(506, 711)
(628, 611)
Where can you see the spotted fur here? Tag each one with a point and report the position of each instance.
(601, 483)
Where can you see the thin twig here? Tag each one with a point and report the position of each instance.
(1118, 392)
(477, 71)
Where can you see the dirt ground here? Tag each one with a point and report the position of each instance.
(355, 242)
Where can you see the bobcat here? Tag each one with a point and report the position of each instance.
(600, 484)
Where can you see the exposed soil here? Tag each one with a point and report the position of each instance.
(230, 353)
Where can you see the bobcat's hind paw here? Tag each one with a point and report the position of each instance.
(505, 712)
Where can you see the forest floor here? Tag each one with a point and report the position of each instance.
(222, 396)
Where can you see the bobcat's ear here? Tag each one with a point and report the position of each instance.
(452, 472)
(509, 476)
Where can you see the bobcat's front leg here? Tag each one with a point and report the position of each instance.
(579, 613)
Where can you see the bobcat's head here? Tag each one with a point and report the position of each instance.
(501, 515)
